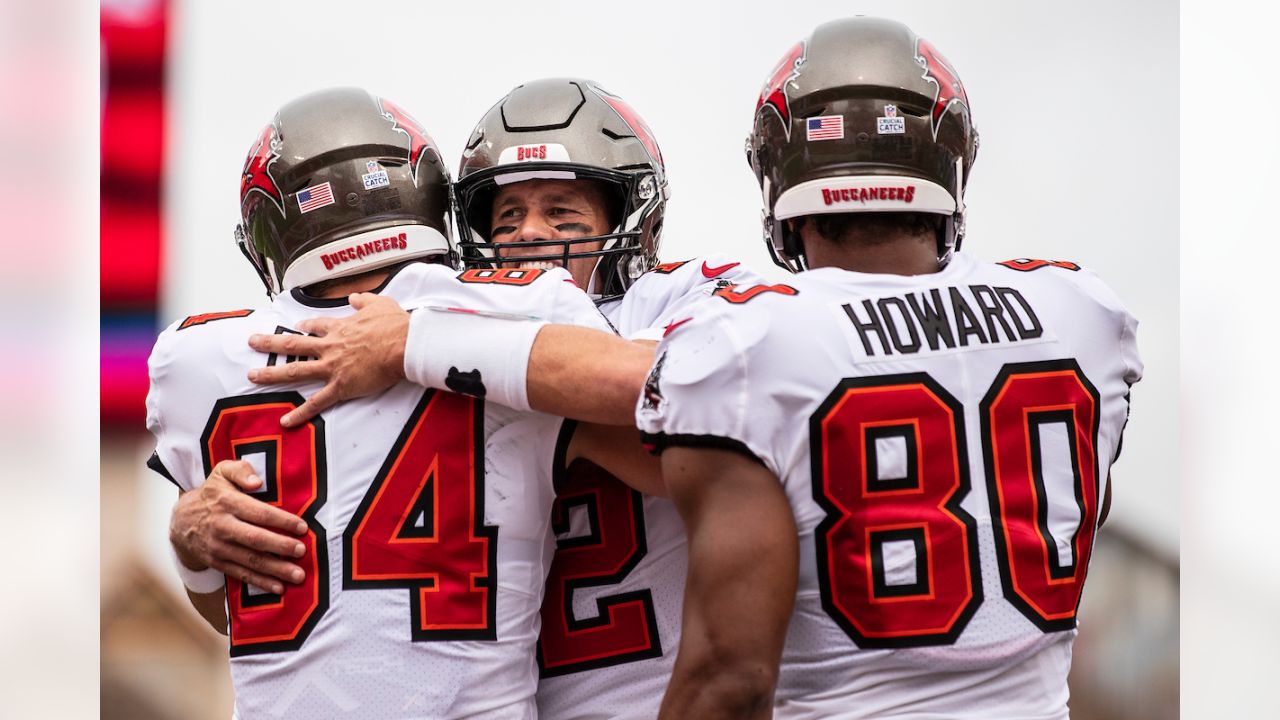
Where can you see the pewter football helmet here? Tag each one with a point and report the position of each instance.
(338, 183)
(861, 116)
(567, 129)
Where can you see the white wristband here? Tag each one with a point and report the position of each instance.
(198, 581)
(482, 354)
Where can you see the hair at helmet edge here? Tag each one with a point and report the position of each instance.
(341, 182)
(567, 129)
(902, 138)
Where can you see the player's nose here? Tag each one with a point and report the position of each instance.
(533, 227)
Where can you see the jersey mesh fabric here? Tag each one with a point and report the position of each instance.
(360, 660)
(634, 690)
(751, 375)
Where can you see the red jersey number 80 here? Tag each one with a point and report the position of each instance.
(875, 519)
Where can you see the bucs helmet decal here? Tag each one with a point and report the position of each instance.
(774, 93)
(257, 168)
(939, 71)
(634, 121)
(419, 140)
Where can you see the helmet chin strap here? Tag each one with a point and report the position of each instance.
(952, 232)
(792, 247)
(594, 283)
(259, 262)
(593, 280)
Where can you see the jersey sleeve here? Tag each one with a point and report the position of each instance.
(671, 292)
(193, 364)
(1127, 344)
(548, 296)
(572, 306)
(698, 390)
(173, 388)
(1093, 286)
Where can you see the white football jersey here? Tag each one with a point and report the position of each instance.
(944, 441)
(611, 617)
(429, 527)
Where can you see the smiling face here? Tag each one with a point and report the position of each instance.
(533, 210)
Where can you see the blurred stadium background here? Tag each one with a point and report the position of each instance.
(187, 85)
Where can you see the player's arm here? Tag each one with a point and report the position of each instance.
(618, 450)
(210, 602)
(587, 374)
(1106, 503)
(565, 370)
(743, 558)
(211, 606)
(217, 525)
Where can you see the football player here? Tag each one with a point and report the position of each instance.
(559, 172)
(425, 532)
(611, 615)
(940, 430)
(938, 505)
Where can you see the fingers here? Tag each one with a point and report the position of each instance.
(255, 512)
(239, 473)
(245, 575)
(233, 505)
(261, 569)
(319, 327)
(263, 565)
(323, 399)
(255, 537)
(301, 371)
(287, 344)
(360, 301)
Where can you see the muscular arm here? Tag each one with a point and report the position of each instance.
(573, 372)
(587, 375)
(618, 450)
(743, 558)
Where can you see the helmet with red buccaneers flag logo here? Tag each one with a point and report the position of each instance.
(862, 116)
(339, 183)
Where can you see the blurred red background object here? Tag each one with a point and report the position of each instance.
(131, 221)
